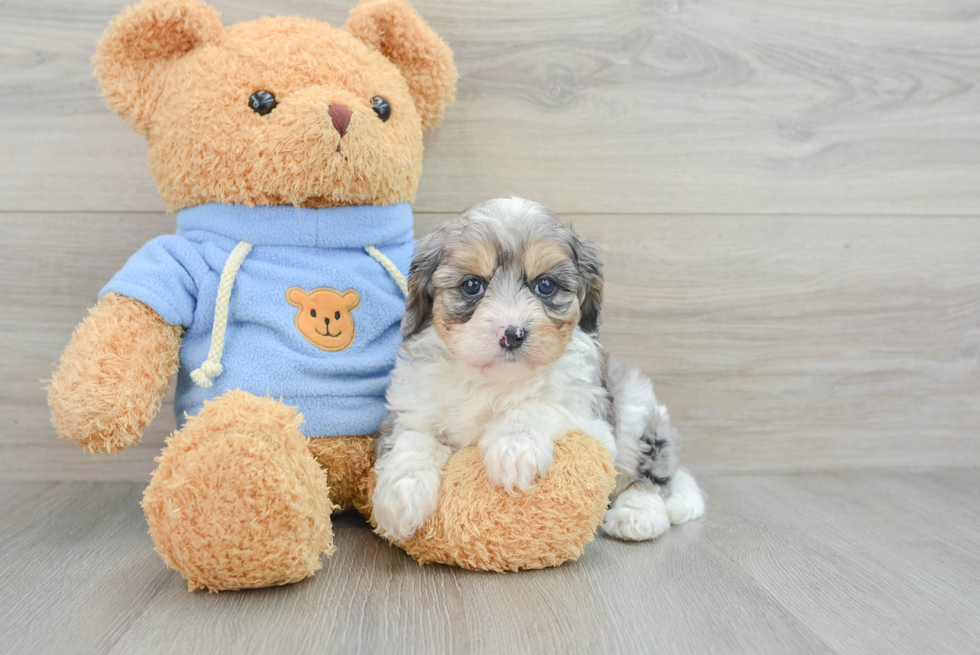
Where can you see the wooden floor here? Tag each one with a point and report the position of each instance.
(855, 562)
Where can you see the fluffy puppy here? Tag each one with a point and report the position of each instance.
(501, 350)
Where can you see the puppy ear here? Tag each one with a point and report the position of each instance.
(352, 299)
(421, 290)
(586, 256)
(393, 28)
(133, 54)
(295, 296)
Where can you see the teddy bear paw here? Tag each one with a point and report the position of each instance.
(238, 501)
(402, 506)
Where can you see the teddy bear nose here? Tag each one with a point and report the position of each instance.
(340, 115)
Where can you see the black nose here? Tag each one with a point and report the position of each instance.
(513, 337)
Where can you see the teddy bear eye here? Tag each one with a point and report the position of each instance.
(381, 107)
(313, 313)
(262, 102)
(336, 316)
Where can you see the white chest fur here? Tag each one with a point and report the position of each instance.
(435, 394)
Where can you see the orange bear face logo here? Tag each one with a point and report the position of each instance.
(324, 317)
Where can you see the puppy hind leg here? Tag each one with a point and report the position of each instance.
(638, 514)
(686, 502)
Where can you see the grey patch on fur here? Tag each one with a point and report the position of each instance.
(384, 442)
(646, 442)
(418, 304)
(586, 256)
(658, 460)
(459, 306)
(509, 224)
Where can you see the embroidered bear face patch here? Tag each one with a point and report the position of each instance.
(324, 316)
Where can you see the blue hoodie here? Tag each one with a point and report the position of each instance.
(265, 353)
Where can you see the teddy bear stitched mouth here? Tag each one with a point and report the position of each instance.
(328, 333)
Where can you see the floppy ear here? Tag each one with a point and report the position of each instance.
(133, 54)
(295, 297)
(421, 291)
(393, 28)
(586, 256)
(352, 299)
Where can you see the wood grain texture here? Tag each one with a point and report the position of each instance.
(778, 343)
(853, 562)
(666, 106)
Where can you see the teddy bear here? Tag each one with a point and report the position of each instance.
(290, 151)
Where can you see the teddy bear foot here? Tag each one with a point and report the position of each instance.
(479, 526)
(237, 500)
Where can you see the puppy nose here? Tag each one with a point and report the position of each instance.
(340, 115)
(513, 337)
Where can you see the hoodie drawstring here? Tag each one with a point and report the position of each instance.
(211, 367)
(389, 266)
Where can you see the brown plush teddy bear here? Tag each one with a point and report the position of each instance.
(290, 150)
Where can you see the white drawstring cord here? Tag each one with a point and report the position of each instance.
(389, 265)
(211, 367)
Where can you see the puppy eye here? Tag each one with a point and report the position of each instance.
(262, 102)
(336, 316)
(381, 107)
(313, 313)
(473, 287)
(545, 286)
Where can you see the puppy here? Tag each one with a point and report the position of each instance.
(501, 350)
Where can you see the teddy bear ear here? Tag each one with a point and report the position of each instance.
(134, 52)
(352, 299)
(395, 29)
(295, 296)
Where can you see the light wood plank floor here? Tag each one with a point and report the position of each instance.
(855, 562)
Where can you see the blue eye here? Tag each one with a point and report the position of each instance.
(545, 286)
(473, 287)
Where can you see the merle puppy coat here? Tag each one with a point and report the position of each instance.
(501, 350)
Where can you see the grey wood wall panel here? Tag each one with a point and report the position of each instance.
(778, 343)
(667, 106)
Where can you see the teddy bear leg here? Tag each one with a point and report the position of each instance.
(479, 526)
(348, 462)
(237, 500)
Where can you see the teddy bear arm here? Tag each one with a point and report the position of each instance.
(113, 374)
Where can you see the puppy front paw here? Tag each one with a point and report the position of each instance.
(515, 461)
(402, 505)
